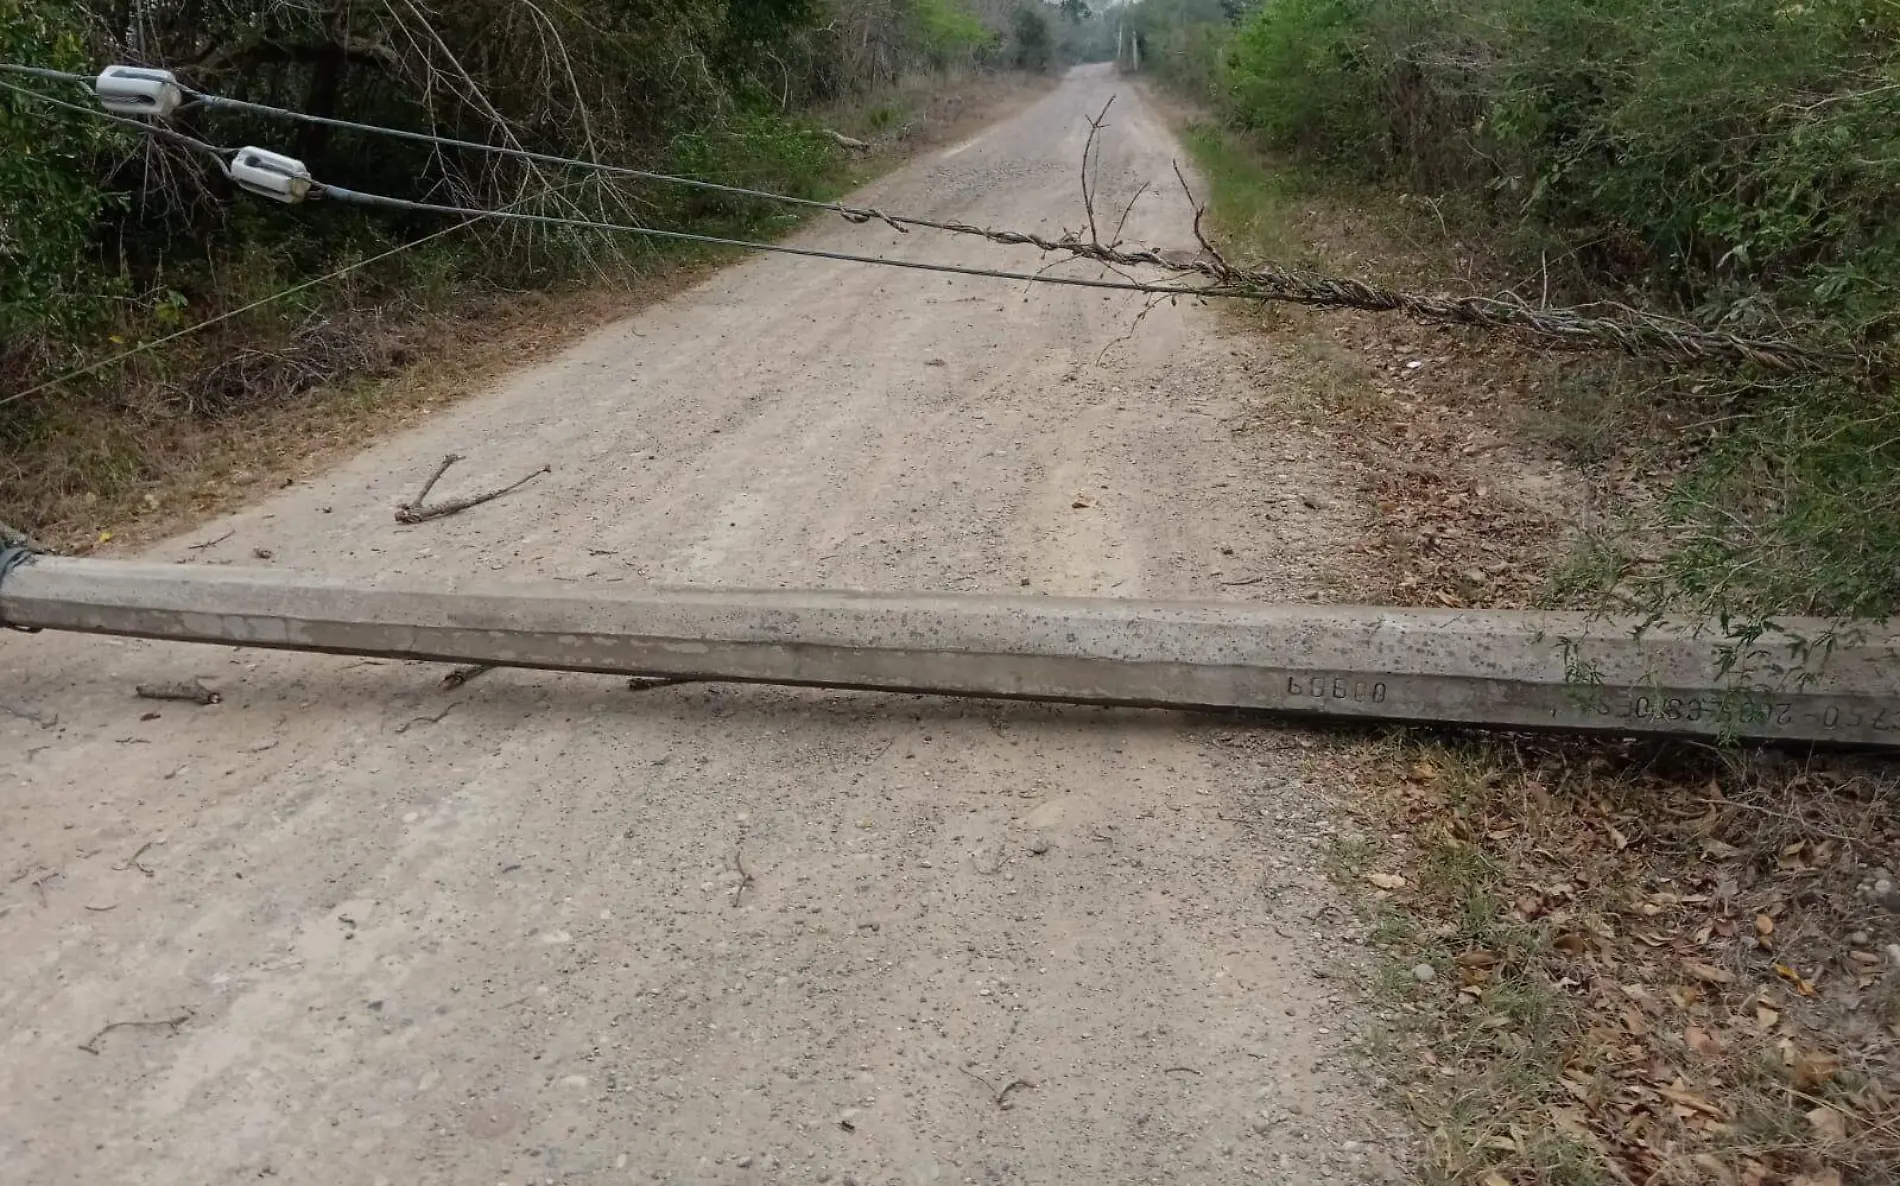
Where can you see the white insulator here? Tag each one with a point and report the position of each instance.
(271, 174)
(138, 90)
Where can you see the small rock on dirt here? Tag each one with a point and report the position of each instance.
(1424, 973)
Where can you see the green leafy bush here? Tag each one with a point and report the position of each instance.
(51, 193)
(1737, 160)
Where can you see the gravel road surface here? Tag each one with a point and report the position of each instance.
(546, 929)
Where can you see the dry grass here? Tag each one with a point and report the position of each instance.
(1465, 506)
(1642, 964)
(191, 465)
(1649, 965)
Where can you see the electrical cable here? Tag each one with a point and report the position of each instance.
(340, 194)
(858, 214)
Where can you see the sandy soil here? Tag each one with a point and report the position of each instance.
(544, 929)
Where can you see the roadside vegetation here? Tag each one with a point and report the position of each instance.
(1596, 962)
(1638, 964)
(1734, 162)
(110, 241)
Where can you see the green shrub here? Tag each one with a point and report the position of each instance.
(757, 151)
(1034, 47)
(51, 193)
(1735, 160)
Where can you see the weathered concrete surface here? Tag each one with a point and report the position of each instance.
(1807, 681)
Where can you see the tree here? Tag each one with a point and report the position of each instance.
(1034, 45)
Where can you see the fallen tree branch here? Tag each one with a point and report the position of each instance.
(414, 511)
(1608, 325)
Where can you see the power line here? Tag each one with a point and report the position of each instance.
(472, 215)
(858, 214)
(340, 194)
(220, 154)
(1632, 331)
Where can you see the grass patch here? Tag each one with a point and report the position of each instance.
(1255, 207)
(1459, 510)
(1654, 965)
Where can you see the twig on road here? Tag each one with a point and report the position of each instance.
(738, 863)
(414, 721)
(462, 675)
(1115, 240)
(999, 1097)
(133, 862)
(210, 543)
(414, 511)
(91, 1045)
(428, 484)
(193, 693)
(1199, 211)
(1088, 147)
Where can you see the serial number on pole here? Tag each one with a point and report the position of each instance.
(1750, 710)
(1349, 688)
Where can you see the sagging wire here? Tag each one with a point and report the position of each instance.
(1619, 327)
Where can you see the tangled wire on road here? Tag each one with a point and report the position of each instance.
(1619, 327)
(1633, 331)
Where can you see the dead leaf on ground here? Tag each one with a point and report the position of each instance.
(1813, 1068)
(1828, 1125)
(1801, 985)
(1692, 1101)
(1708, 973)
(1702, 1042)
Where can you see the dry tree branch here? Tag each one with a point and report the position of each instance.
(1096, 125)
(414, 511)
(1115, 240)
(1199, 211)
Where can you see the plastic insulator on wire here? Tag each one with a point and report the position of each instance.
(138, 90)
(271, 174)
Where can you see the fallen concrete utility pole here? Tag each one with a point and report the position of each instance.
(1808, 682)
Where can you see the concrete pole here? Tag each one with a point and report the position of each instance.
(1804, 682)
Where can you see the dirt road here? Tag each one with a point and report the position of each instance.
(545, 929)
